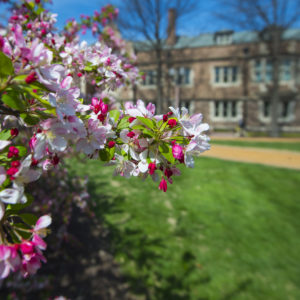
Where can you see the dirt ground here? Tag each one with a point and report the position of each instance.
(270, 157)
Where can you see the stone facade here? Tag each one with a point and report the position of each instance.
(229, 82)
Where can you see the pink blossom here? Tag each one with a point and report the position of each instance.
(9, 260)
(177, 152)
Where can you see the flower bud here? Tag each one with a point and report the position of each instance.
(131, 134)
(14, 132)
(111, 144)
(31, 78)
(163, 185)
(172, 123)
(151, 168)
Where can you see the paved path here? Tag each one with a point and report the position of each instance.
(256, 139)
(278, 158)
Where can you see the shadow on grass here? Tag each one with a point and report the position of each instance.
(86, 267)
(144, 257)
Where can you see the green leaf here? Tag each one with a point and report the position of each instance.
(107, 154)
(88, 68)
(166, 151)
(5, 135)
(163, 148)
(115, 114)
(163, 126)
(22, 150)
(148, 133)
(180, 139)
(37, 97)
(14, 208)
(149, 123)
(138, 127)
(123, 123)
(28, 218)
(39, 86)
(13, 100)
(4, 158)
(18, 228)
(30, 119)
(6, 66)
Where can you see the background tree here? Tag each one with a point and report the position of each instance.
(270, 19)
(147, 21)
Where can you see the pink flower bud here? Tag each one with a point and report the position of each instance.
(165, 118)
(31, 78)
(111, 144)
(172, 123)
(55, 160)
(168, 172)
(151, 168)
(79, 74)
(163, 185)
(104, 108)
(101, 118)
(131, 119)
(14, 132)
(12, 171)
(131, 134)
(15, 164)
(1, 42)
(27, 247)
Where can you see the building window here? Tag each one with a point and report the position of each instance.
(217, 74)
(225, 109)
(263, 70)
(266, 109)
(285, 71)
(258, 70)
(149, 77)
(269, 71)
(223, 38)
(226, 75)
(285, 108)
(182, 75)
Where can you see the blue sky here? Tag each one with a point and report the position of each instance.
(205, 22)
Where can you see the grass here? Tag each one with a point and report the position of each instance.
(295, 146)
(223, 230)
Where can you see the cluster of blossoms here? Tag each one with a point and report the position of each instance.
(38, 89)
(25, 256)
(106, 15)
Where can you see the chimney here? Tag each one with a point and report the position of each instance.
(171, 31)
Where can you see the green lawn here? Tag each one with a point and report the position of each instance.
(223, 230)
(294, 146)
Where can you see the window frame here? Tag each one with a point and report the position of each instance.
(223, 75)
(219, 105)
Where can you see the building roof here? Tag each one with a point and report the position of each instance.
(209, 39)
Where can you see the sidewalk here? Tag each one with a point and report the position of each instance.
(270, 157)
(255, 139)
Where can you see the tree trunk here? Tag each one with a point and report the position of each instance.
(159, 85)
(274, 130)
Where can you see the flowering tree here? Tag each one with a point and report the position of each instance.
(39, 68)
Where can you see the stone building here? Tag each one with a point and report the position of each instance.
(227, 76)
